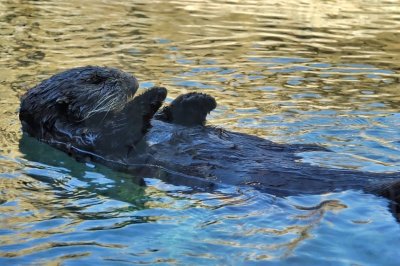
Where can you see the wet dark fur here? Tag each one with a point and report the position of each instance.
(134, 136)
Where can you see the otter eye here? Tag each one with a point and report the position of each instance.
(96, 78)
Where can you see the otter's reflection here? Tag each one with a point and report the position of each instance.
(127, 188)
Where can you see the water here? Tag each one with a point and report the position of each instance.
(324, 72)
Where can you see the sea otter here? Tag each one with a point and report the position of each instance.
(90, 113)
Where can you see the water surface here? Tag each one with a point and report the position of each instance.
(324, 72)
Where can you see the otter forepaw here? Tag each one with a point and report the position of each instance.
(189, 109)
(148, 102)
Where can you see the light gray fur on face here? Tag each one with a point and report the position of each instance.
(79, 93)
(74, 96)
(100, 91)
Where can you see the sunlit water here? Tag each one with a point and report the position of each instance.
(324, 72)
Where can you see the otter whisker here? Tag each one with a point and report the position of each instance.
(107, 103)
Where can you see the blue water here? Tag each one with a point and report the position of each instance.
(292, 72)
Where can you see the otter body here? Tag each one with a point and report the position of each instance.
(89, 113)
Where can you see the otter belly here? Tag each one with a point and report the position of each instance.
(225, 157)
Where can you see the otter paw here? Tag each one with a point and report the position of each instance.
(189, 109)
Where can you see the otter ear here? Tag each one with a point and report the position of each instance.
(189, 109)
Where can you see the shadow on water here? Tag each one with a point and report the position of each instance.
(98, 179)
(283, 174)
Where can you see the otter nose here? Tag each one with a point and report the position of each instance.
(132, 85)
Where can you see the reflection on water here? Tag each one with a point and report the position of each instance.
(323, 72)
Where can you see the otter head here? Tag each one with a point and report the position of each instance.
(89, 107)
(74, 96)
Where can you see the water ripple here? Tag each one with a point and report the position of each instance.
(322, 72)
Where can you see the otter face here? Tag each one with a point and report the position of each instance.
(74, 96)
(90, 108)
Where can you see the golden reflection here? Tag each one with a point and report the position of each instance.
(270, 64)
(50, 245)
(28, 201)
